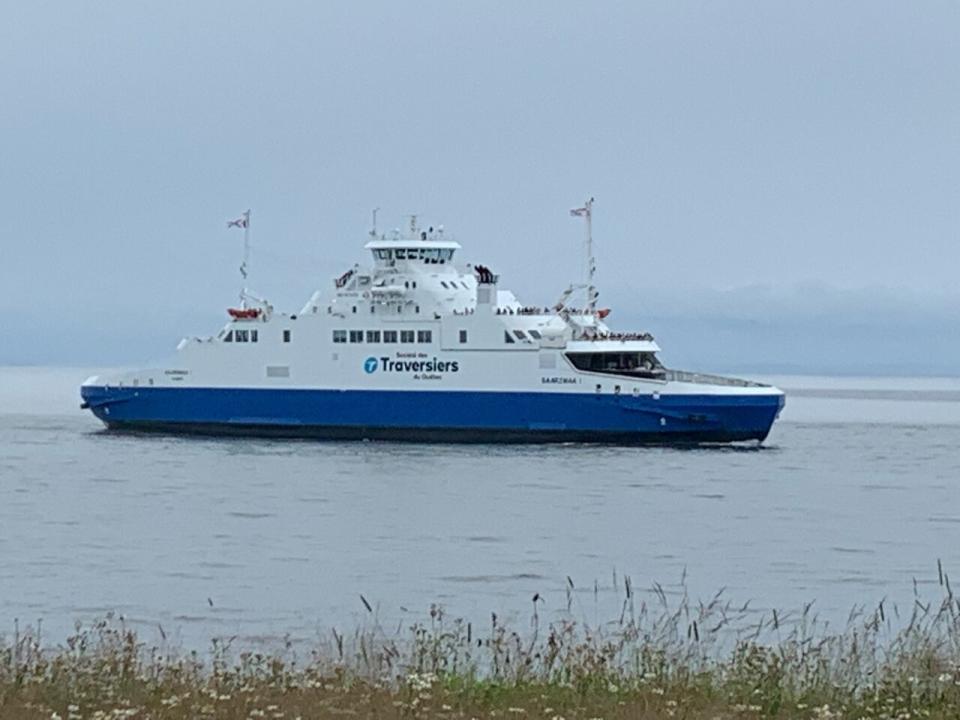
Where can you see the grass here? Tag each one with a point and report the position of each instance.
(658, 659)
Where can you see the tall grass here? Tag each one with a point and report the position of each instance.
(658, 658)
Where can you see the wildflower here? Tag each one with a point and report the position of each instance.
(422, 681)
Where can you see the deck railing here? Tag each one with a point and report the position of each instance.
(702, 378)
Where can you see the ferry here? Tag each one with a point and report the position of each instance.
(418, 346)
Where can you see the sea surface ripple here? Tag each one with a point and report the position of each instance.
(854, 495)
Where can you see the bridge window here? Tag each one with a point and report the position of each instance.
(286, 336)
(446, 287)
(463, 336)
(519, 334)
(389, 336)
(535, 334)
(424, 336)
(373, 336)
(241, 335)
(339, 336)
(228, 337)
(642, 364)
(507, 339)
(356, 336)
(400, 253)
(254, 335)
(406, 336)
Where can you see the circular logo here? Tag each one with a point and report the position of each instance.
(370, 365)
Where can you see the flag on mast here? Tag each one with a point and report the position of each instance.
(579, 212)
(243, 222)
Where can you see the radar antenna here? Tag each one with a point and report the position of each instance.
(373, 227)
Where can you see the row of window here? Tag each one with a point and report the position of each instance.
(428, 255)
(383, 336)
(241, 336)
(520, 335)
(380, 336)
(373, 308)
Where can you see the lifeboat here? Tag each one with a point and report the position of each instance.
(244, 313)
(603, 313)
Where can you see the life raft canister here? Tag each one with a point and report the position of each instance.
(243, 313)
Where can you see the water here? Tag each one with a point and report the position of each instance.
(853, 496)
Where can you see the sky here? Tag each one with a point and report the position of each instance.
(777, 184)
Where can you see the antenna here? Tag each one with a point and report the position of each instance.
(373, 228)
(413, 226)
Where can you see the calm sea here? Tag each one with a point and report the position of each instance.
(853, 496)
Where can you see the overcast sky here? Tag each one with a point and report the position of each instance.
(736, 150)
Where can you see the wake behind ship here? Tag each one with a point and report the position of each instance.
(419, 347)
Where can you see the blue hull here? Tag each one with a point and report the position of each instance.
(435, 416)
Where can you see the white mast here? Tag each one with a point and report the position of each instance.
(243, 222)
(246, 258)
(591, 267)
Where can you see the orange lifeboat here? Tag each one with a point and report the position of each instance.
(603, 313)
(244, 313)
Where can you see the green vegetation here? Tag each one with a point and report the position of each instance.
(658, 659)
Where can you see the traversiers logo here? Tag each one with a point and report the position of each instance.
(431, 365)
